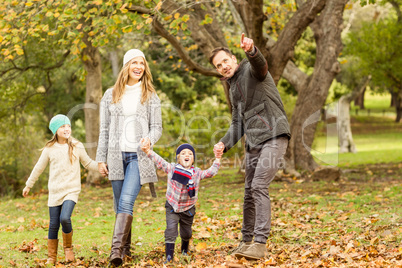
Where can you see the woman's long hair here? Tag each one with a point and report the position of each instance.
(146, 83)
(70, 143)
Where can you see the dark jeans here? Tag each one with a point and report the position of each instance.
(261, 166)
(60, 215)
(173, 219)
(125, 191)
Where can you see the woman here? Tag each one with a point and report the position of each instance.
(129, 111)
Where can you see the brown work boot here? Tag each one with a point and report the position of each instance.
(243, 246)
(68, 246)
(52, 245)
(255, 251)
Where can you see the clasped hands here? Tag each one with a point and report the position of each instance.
(145, 145)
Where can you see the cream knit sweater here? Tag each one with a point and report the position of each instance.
(64, 177)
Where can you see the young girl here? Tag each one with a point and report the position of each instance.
(182, 193)
(64, 154)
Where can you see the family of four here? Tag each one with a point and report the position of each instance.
(131, 123)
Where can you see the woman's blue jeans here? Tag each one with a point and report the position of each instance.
(126, 191)
(60, 215)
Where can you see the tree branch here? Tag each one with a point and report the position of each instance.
(283, 50)
(181, 50)
(36, 66)
(253, 17)
(237, 17)
(297, 78)
(139, 10)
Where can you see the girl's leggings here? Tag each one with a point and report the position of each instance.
(60, 215)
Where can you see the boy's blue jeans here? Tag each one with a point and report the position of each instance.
(60, 215)
(126, 191)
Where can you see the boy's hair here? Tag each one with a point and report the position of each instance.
(216, 51)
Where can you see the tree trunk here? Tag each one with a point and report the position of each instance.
(114, 61)
(92, 63)
(359, 100)
(398, 106)
(392, 100)
(311, 98)
(346, 144)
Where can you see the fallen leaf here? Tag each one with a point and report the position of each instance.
(374, 241)
(201, 246)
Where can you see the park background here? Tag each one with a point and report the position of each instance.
(337, 65)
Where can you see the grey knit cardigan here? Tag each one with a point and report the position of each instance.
(148, 123)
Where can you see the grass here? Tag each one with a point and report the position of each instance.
(353, 222)
(362, 206)
(376, 105)
(378, 139)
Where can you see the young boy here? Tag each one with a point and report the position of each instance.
(182, 192)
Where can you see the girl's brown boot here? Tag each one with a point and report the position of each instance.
(68, 246)
(52, 245)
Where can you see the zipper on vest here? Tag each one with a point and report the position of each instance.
(238, 88)
(264, 121)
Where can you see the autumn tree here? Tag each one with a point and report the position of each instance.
(378, 46)
(77, 29)
(219, 23)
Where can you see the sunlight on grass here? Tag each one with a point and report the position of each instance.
(378, 104)
(371, 149)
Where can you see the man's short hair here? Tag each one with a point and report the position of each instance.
(216, 51)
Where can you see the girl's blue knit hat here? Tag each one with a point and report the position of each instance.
(185, 146)
(57, 121)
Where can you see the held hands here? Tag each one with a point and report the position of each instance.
(218, 150)
(102, 167)
(146, 145)
(246, 44)
(25, 192)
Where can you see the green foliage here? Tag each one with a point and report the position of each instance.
(305, 52)
(202, 126)
(348, 79)
(379, 49)
(336, 91)
(63, 23)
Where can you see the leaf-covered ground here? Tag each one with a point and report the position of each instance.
(353, 222)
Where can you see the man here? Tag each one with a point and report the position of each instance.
(258, 113)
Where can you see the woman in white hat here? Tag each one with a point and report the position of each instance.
(129, 111)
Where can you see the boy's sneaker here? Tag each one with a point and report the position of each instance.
(254, 252)
(243, 246)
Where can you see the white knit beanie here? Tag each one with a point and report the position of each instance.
(131, 54)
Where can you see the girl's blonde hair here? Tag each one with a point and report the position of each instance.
(71, 146)
(147, 83)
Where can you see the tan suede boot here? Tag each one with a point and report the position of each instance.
(52, 245)
(254, 252)
(243, 246)
(68, 246)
